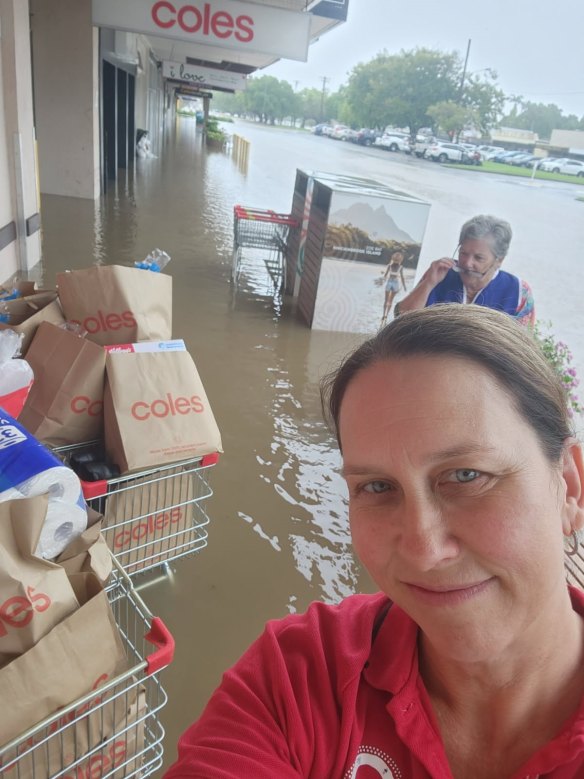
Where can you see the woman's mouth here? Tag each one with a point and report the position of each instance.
(448, 594)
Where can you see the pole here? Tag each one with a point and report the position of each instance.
(462, 80)
(322, 96)
(461, 88)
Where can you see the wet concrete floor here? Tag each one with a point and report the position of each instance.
(279, 536)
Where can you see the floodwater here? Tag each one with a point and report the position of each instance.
(279, 536)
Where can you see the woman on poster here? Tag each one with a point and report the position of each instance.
(393, 274)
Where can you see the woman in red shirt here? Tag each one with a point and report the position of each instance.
(465, 481)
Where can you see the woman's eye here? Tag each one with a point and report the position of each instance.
(376, 487)
(464, 475)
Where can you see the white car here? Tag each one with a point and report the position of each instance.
(550, 162)
(441, 151)
(571, 167)
(393, 142)
(488, 152)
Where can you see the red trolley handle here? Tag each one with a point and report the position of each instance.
(162, 638)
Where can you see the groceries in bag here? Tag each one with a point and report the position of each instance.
(35, 594)
(25, 313)
(116, 304)
(16, 375)
(28, 469)
(65, 404)
(156, 410)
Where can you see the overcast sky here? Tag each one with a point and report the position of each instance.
(536, 48)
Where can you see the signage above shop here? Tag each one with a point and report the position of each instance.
(204, 77)
(333, 9)
(230, 24)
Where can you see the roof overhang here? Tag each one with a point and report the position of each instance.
(323, 15)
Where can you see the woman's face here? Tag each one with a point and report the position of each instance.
(454, 509)
(477, 262)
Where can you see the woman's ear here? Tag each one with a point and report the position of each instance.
(573, 475)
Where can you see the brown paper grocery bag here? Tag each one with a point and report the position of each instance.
(88, 553)
(65, 404)
(35, 594)
(151, 519)
(27, 313)
(79, 655)
(116, 304)
(156, 410)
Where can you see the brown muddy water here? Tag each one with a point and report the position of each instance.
(278, 536)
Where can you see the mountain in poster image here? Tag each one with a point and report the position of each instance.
(374, 221)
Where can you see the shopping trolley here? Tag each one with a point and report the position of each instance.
(255, 228)
(151, 517)
(113, 731)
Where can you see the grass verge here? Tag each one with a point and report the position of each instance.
(513, 170)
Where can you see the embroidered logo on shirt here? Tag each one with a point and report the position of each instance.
(375, 759)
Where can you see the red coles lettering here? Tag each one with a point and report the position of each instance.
(18, 611)
(201, 18)
(153, 525)
(81, 404)
(103, 322)
(169, 405)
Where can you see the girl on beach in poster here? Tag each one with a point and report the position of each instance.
(392, 274)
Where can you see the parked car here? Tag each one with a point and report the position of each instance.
(393, 142)
(506, 156)
(472, 157)
(318, 129)
(339, 131)
(571, 167)
(327, 130)
(366, 137)
(519, 159)
(549, 163)
(530, 161)
(440, 151)
(488, 152)
(422, 143)
(348, 134)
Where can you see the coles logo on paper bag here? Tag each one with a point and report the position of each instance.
(81, 404)
(103, 322)
(167, 406)
(18, 611)
(153, 524)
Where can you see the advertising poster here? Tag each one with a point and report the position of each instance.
(371, 252)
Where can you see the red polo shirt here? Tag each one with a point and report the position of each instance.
(316, 698)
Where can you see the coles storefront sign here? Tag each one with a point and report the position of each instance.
(226, 24)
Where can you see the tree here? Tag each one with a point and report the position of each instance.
(270, 99)
(452, 117)
(484, 98)
(398, 89)
(310, 104)
(540, 118)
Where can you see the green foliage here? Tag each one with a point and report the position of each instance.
(452, 117)
(270, 99)
(560, 358)
(214, 132)
(540, 118)
(398, 89)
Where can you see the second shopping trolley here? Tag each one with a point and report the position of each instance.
(260, 236)
(154, 516)
(115, 730)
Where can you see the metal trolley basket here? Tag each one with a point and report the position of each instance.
(113, 731)
(151, 517)
(255, 228)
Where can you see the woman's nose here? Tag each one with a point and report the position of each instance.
(426, 541)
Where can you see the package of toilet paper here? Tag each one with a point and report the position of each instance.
(28, 469)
